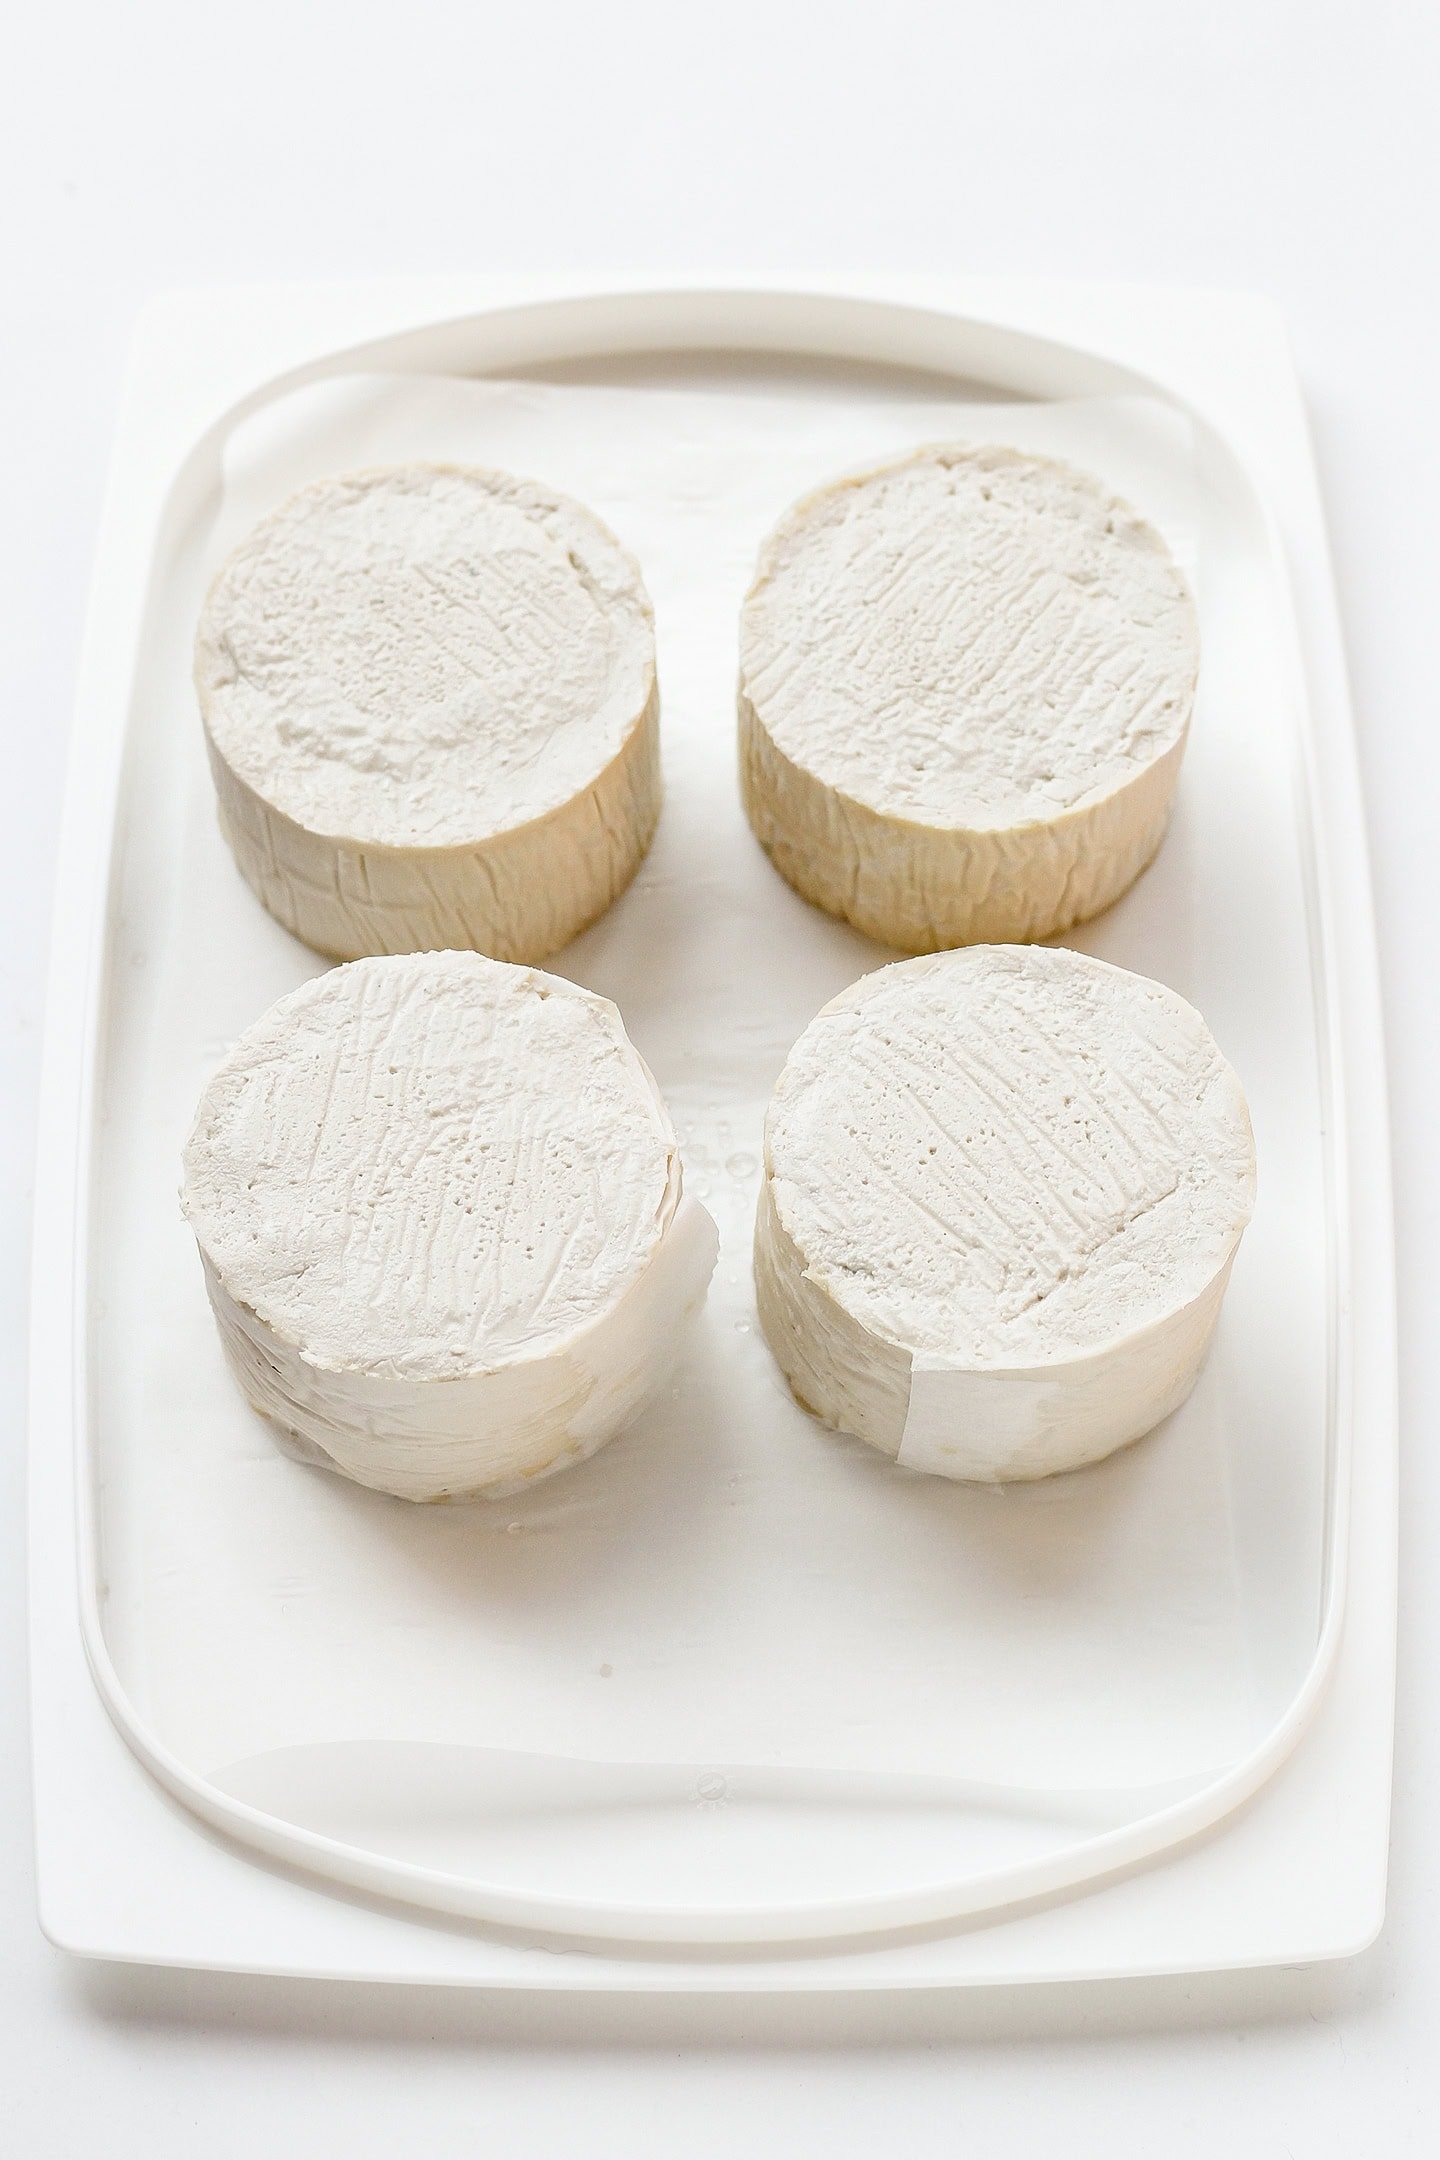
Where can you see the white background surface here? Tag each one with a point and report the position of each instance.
(1285, 147)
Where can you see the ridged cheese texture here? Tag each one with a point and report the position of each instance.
(429, 698)
(965, 683)
(1003, 1190)
(439, 1204)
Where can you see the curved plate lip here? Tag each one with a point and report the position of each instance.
(813, 326)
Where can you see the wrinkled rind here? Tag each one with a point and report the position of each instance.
(516, 882)
(922, 889)
(398, 1380)
(1008, 1419)
(519, 897)
(356, 1161)
(852, 1380)
(926, 883)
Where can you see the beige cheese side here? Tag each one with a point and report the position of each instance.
(519, 896)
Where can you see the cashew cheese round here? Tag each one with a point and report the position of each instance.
(430, 705)
(439, 1206)
(965, 683)
(1003, 1191)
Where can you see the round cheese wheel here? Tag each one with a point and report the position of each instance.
(429, 699)
(439, 1205)
(965, 683)
(1003, 1191)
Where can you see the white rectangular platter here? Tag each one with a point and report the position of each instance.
(735, 1667)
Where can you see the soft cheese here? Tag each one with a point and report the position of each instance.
(429, 698)
(965, 683)
(439, 1205)
(1003, 1191)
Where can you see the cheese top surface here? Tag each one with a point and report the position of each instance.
(1009, 1155)
(430, 1166)
(424, 655)
(970, 638)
